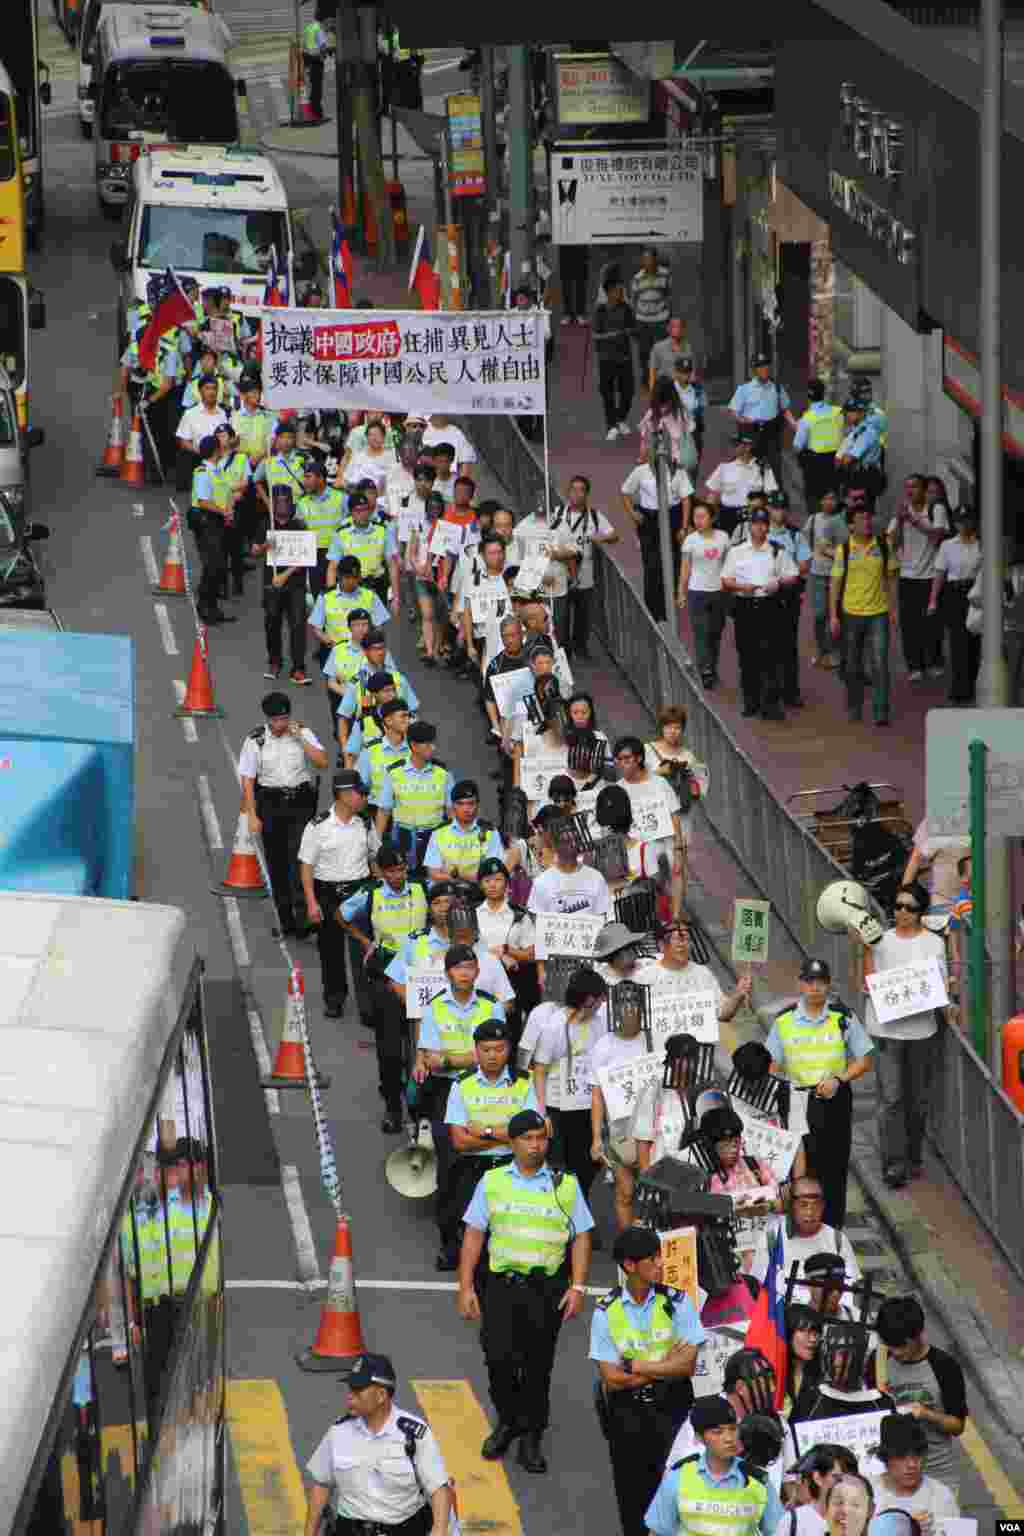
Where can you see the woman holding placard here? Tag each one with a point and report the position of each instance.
(904, 1041)
(561, 1071)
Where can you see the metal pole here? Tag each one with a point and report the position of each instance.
(446, 178)
(520, 165)
(661, 450)
(488, 119)
(345, 51)
(993, 686)
(300, 66)
(737, 267)
(976, 755)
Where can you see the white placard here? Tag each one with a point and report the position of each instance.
(752, 1227)
(447, 539)
(769, 1144)
(563, 671)
(421, 986)
(530, 575)
(411, 519)
(652, 818)
(566, 933)
(404, 360)
(678, 1012)
(719, 1344)
(290, 549)
(906, 989)
(536, 772)
(625, 194)
(488, 606)
(510, 688)
(623, 1084)
(859, 1432)
(955, 1525)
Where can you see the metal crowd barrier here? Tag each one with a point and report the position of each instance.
(975, 1128)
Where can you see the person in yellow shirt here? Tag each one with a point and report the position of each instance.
(862, 604)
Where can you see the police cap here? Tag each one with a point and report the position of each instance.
(525, 1121)
(491, 1029)
(347, 778)
(276, 704)
(761, 360)
(421, 731)
(853, 404)
(442, 888)
(711, 1413)
(636, 1243)
(466, 789)
(315, 464)
(377, 681)
(359, 613)
(459, 954)
(208, 445)
(815, 970)
(392, 707)
(491, 867)
(389, 856)
(358, 499)
(372, 1371)
(373, 638)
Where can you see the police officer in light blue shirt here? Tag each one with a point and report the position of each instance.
(717, 1469)
(859, 460)
(792, 542)
(762, 406)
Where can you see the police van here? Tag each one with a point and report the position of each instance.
(218, 215)
(88, 25)
(159, 76)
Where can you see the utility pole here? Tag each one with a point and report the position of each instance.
(492, 191)
(520, 165)
(345, 60)
(370, 160)
(993, 684)
(738, 268)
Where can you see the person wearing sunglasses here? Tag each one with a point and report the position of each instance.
(905, 1046)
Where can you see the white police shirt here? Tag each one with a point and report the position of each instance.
(277, 762)
(337, 850)
(370, 1474)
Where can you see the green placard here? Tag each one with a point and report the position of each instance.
(750, 931)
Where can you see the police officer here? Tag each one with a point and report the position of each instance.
(281, 469)
(334, 861)
(762, 406)
(210, 514)
(374, 685)
(644, 1337)
(315, 47)
(716, 1478)
(378, 1467)
(481, 1103)
(859, 459)
(322, 509)
(456, 851)
(824, 1048)
(755, 574)
(374, 544)
(279, 796)
(818, 435)
(415, 795)
(389, 747)
(331, 611)
(253, 425)
(732, 484)
(538, 1224)
(791, 540)
(380, 916)
(444, 1050)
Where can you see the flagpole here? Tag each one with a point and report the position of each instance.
(547, 482)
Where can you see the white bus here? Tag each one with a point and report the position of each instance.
(159, 76)
(112, 1336)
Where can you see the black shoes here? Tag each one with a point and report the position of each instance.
(498, 1442)
(531, 1457)
(447, 1260)
(895, 1175)
(748, 710)
(333, 1009)
(391, 1125)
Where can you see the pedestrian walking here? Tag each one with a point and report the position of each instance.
(956, 565)
(284, 595)
(816, 442)
(650, 297)
(806, 1233)
(664, 354)
(730, 484)
(538, 1225)
(859, 459)
(378, 1468)
(640, 499)
(755, 574)
(927, 1384)
(825, 529)
(211, 512)
(334, 862)
(416, 795)
(561, 1071)
(586, 527)
(792, 542)
(862, 605)
(315, 47)
(916, 534)
(277, 767)
(699, 588)
(694, 402)
(322, 510)
(761, 406)
(613, 329)
(481, 1103)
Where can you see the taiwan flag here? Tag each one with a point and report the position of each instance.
(171, 309)
(422, 276)
(275, 294)
(767, 1330)
(341, 268)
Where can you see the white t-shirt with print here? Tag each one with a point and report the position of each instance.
(706, 556)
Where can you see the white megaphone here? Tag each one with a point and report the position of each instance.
(843, 905)
(412, 1171)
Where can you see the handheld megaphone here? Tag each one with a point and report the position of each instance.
(843, 905)
(412, 1170)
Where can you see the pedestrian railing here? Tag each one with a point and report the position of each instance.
(974, 1127)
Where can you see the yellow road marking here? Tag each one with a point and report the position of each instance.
(272, 1492)
(1006, 1497)
(486, 1503)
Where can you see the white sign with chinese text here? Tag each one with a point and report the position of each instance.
(750, 931)
(652, 818)
(858, 1433)
(411, 519)
(486, 362)
(291, 549)
(531, 573)
(677, 1011)
(624, 194)
(421, 986)
(488, 605)
(510, 688)
(536, 772)
(769, 1144)
(751, 1229)
(623, 1084)
(907, 989)
(566, 933)
(447, 539)
(563, 671)
(718, 1345)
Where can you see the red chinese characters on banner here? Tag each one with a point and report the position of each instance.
(369, 338)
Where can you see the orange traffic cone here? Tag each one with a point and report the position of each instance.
(133, 469)
(198, 698)
(113, 456)
(244, 876)
(172, 578)
(339, 1339)
(290, 1062)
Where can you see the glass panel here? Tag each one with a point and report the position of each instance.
(12, 330)
(8, 148)
(222, 240)
(182, 102)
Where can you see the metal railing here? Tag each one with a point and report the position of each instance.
(974, 1127)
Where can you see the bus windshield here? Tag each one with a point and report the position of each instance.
(8, 145)
(186, 103)
(222, 240)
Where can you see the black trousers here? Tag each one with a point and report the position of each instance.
(650, 555)
(640, 1436)
(819, 471)
(827, 1149)
(573, 1141)
(467, 1172)
(210, 542)
(282, 605)
(768, 446)
(162, 417)
(185, 465)
(249, 513)
(419, 1524)
(616, 382)
(413, 843)
(519, 1334)
(158, 1327)
(379, 1006)
(285, 814)
(315, 76)
(789, 599)
(332, 940)
(234, 559)
(964, 648)
(573, 266)
(581, 612)
(728, 519)
(433, 1103)
(760, 629)
(921, 631)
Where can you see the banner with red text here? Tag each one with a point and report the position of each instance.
(486, 363)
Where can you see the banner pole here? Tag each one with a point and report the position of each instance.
(547, 481)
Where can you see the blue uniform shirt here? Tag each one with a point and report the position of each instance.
(476, 1211)
(379, 615)
(358, 904)
(430, 1035)
(337, 551)
(493, 848)
(686, 1325)
(759, 402)
(438, 944)
(457, 1113)
(330, 666)
(662, 1515)
(858, 1041)
(387, 794)
(349, 702)
(864, 443)
(792, 541)
(393, 755)
(202, 487)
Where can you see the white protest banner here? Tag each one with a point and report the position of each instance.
(536, 772)
(488, 605)
(563, 671)
(858, 1433)
(411, 519)
(623, 1084)
(573, 1073)
(510, 688)
(421, 986)
(566, 933)
(683, 1011)
(652, 818)
(750, 931)
(291, 549)
(769, 1144)
(477, 362)
(447, 539)
(906, 989)
(718, 1345)
(530, 575)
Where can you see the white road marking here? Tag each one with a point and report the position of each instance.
(236, 932)
(149, 559)
(163, 624)
(302, 1232)
(209, 814)
(262, 1053)
(188, 726)
(364, 1285)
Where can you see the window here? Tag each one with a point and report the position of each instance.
(12, 330)
(186, 103)
(8, 420)
(8, 148)
(221, 240)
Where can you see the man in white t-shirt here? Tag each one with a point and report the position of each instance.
(441, 430)
(586, 527)
(915, 534)
(561, 1069)
(570, 887)
(675, 971)
(640, 499)
(805, 1233)
(535, 534)
(941, 856)
(902, 1449)
(656, 813)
